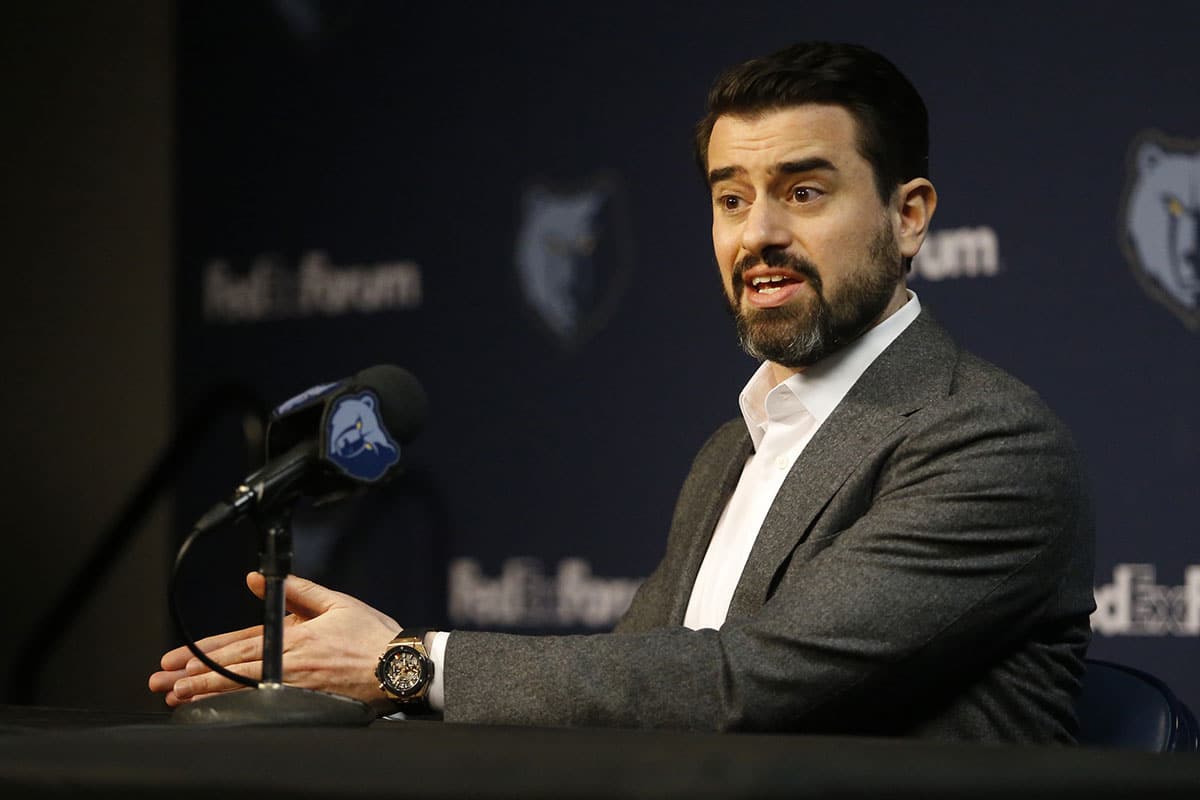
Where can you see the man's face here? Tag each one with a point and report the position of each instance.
(808, 254)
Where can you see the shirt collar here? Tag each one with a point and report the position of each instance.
(820, 388)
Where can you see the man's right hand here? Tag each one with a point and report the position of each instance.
(331, 642)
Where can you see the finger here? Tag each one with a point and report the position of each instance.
(174, 701)
(240, 652)
(301, 596)
(206, 696)
(308, 599)
(257, 584)
(179, 657)
(211, 683)
(164, 681)
(175, 659)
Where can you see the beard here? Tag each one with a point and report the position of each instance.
(811, 328)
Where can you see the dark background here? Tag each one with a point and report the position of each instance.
(378, 133)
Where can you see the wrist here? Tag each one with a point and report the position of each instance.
(405, 673)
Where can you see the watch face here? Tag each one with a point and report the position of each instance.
(405, 670)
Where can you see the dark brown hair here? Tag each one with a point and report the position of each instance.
(893, 125)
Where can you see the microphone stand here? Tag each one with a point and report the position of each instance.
(272, 702)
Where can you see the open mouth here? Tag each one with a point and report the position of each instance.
(770, 284)
(771, 288)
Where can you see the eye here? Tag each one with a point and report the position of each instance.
(805, 194)
(1174, 207)
(729, 202)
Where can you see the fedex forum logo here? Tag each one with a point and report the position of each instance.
(1159, 222)
(524, 595)
(1136, 604)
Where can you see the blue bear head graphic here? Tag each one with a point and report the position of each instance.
(356, 441)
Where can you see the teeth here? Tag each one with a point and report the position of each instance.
(769, 290)
(761, 280)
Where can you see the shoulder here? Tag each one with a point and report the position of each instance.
(970, 417)
(960, 383)
(987, 396)
(993, 437)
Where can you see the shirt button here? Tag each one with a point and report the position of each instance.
(781, 462)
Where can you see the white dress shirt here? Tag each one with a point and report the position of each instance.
(781, 420)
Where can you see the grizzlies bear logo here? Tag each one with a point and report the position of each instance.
(572, 256)
(1160, 221)
(355, 439)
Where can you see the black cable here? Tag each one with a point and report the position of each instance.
(173, 603)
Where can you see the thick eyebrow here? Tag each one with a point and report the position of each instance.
(783, 168)
(724, 173)
(805, 165)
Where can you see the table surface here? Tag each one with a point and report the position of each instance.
(56, 752)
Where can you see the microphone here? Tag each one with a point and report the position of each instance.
(331, 439)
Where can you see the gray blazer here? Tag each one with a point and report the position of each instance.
(925, 570)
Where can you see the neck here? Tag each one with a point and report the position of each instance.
(780, 373)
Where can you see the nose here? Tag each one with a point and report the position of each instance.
(766, 226)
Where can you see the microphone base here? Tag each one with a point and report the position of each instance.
(275, 705)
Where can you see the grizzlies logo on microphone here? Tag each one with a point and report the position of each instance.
(356, 440)
(1160, 221)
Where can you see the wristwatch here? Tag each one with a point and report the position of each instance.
(405, 671)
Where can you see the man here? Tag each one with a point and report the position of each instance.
(893, 540)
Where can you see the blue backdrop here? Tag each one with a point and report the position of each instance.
(502, 199)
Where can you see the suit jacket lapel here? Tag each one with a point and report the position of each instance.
(715, 488)
(912, 371)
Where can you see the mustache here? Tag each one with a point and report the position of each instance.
(776, 258)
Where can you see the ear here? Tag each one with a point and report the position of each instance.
(915, 203)
(368, 401)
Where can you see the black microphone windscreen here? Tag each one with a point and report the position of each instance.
(403, 403)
